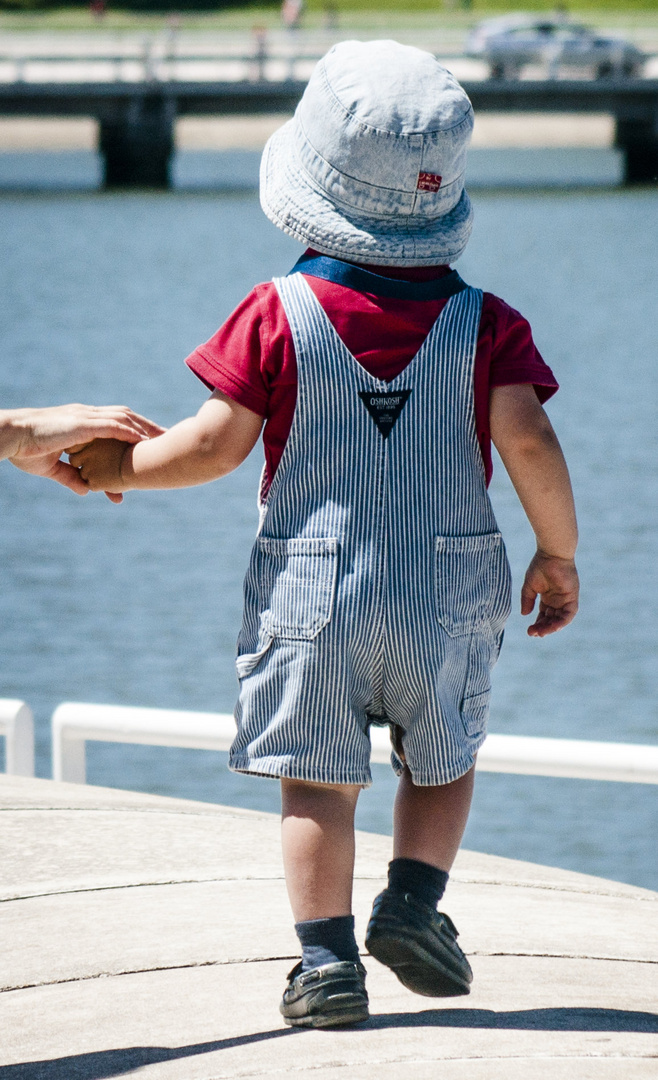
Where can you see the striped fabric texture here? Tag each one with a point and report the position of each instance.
(378, 586)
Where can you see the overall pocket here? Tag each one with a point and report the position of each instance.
(297, 583)
(472, 586)
(474, 709)
(474, 714)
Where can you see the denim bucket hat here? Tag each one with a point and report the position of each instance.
(371, 166)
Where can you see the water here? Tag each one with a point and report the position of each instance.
(101, 298)
(238, 169)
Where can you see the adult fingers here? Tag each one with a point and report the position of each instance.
(113, 423)
(122, 423)
(149, 427)
(81, 424)
(128, 418)
(75, 454)
(75, 449)
(69, 477)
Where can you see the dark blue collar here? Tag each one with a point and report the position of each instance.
(364, 281)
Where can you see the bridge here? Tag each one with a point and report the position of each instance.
(136, 118)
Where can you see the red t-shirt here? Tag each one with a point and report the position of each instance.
(251, 358)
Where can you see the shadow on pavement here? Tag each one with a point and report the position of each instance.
(573, 1019)
(103, 1064)
(100, 1064)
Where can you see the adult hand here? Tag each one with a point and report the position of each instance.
(34, 439)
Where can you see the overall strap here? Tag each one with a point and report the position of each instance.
(365, 281)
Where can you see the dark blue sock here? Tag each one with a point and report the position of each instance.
(425, 882)
(324, 941)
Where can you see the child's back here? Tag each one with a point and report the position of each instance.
(379, 586)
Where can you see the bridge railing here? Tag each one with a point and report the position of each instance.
(74, 723)
(17, 726)
(155, 59)
(153, 63)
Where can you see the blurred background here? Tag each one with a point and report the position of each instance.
(130, 228)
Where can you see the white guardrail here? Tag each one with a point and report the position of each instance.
(17, 726)
(73, 723)
(153, 63)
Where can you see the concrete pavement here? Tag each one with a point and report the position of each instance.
(151, 937)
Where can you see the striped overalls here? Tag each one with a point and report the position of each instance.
(378, 586)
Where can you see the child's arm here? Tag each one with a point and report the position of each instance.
(531, 453)
(208, 445)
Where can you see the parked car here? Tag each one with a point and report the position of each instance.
(511, 41)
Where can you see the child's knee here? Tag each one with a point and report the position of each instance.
(297, 794)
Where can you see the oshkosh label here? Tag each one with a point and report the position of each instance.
(428, 181)
(385, 408)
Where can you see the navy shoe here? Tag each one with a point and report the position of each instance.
(419, 944)
(326, 996)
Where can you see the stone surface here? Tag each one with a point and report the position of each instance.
(151, 937)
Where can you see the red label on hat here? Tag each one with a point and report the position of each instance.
(428, 181)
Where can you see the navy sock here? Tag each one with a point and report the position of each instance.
(425, 882)
(324, 941)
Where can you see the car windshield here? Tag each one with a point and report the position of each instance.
(546, 29)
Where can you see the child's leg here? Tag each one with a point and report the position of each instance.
(405, 931)
(327, 987)
(317, 832)
(429, 822)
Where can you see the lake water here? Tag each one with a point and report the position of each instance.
(101, 298)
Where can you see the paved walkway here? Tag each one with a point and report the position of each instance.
(150, 937)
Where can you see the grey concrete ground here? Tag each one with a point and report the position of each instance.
(151, 937)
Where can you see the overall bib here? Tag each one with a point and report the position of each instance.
(378, 586)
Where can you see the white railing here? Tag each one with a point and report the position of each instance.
(153, 63)
(17, 726)
(74, 723)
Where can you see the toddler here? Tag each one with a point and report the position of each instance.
(378, 587)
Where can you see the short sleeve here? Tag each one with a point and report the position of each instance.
(514, 357)
(252, 360)
(506, 356)
(231, 360)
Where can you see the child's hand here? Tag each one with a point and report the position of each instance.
(555, 581)
(99, 465)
